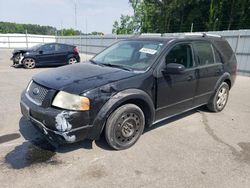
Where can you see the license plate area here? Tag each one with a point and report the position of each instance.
(25, 110)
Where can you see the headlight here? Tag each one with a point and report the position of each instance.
(71, 102)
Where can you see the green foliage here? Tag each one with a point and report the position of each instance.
(7, 27)
(163, 16)
(126, 25)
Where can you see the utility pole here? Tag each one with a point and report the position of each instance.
(75, 15)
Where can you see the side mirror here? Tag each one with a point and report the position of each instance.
(174, 68)
(40, 52)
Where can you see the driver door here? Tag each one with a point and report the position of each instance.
(175, 92)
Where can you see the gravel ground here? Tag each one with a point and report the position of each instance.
(195, 149)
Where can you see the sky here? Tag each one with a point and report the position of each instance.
(92, 15)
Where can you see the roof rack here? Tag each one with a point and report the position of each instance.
(181, 35)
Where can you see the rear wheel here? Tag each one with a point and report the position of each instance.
(124, 126)
(220, 98)
(72, 60)
(29, 63)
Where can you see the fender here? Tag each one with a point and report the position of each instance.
(225, 76)
(117, 100)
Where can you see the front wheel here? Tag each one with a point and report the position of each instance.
(124, 126)
(29, 63)
(220, 98)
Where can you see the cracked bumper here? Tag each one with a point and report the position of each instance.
(44, 119)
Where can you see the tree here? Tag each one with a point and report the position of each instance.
(163, 16)
(126, 25)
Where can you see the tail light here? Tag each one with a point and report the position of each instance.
(75, 50)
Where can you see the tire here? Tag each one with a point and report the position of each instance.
(124, 126)
(220, 98)
(29, 63)
(72, 60)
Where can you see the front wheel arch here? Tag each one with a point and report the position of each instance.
(129, 96)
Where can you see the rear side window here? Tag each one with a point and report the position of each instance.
(225, 49)
(205, 53)
(62, 48)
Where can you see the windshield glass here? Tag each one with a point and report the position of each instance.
(133, 55)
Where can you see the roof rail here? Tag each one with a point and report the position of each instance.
(180, 35)
(212, 35)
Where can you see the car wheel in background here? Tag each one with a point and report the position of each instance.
(72, 60)
(220, 98)
(124, 126)
(29, 63)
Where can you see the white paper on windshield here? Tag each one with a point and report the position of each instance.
(148, 51)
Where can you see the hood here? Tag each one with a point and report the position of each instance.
(81, 77)
(21, 50)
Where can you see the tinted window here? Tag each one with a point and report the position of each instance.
(181, 54)
(204, 52)
(61, 47)
(48, 47)
(217, 56)
(225, 49)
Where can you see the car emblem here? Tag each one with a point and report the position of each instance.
(35, 91)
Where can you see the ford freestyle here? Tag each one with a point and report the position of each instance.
(130, 85)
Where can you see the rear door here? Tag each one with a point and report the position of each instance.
(209, 70)
(61, 53)
(175, 92)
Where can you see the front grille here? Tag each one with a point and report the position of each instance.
(36, 93)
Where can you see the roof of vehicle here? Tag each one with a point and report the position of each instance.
(168, 37)
(59, 43)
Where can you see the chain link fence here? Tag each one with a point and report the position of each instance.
(239, 41)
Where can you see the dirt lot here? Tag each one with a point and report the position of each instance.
(196, 149)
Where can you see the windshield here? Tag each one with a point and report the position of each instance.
(131, 55)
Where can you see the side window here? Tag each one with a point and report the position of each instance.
(48, 48)
(204, 52)
(217, 56)
(61, 48)
(181, 54)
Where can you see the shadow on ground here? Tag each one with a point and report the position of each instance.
(38, 150)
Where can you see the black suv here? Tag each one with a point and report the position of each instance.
(50, 54)
(132, 84)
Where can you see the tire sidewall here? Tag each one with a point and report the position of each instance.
(225, 85)
(111, 125)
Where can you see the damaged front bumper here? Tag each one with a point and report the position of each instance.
(60, 126)
(17, 58)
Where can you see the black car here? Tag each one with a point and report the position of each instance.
(50, 54)
(132, 84)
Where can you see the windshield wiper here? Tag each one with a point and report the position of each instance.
(116, 66)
